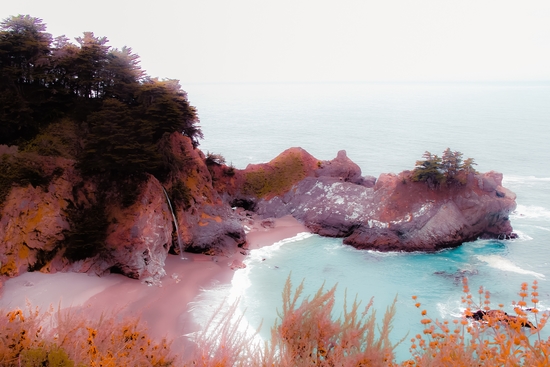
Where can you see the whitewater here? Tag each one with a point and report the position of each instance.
(385, 128)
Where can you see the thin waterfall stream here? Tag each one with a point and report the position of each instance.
(180, 243)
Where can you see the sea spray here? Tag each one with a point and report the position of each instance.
(180, 243)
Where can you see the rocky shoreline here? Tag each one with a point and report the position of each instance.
(330, 198)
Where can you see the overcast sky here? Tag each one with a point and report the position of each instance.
(295, 40)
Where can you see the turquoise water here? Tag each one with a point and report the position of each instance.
(386, 128)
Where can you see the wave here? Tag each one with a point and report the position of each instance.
(454, 308)
(498, 262)
(530, 212)
(241, 279)
(522, 236)
(215, 307)
(518, 180)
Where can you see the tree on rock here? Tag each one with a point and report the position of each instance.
(448, 169)
(451, 163)
(429, 170)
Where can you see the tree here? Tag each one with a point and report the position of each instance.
(90, 65)
(448, 169)
(123, 75)
(118, 144)
(451, 163)
(165, 106)
(24, 63)
(429, 170)
(468, 166)
(24, 51)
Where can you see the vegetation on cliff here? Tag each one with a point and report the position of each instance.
(107, 113)
(447, 169)
(276, 179)
(91, 103)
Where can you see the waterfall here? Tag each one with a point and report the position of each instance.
(180, 244)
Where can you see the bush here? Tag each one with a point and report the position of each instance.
(275, 179)
(57, 139)
(497, 339)
(181, 194)
(88, 232)
(21, 170)
(212, 158)
(306, 334)
(73, 340)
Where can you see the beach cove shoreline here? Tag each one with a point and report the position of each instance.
(164, 309)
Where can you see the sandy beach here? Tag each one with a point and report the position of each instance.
(164, 308)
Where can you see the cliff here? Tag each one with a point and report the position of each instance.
(332, 198)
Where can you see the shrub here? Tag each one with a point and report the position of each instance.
(57, 139)
(73, 340)
(212, 158)
(308, 335)
(497, 339)
(88, 232)
(22, 170)
(276, 179)
(305, 335)
(181, 194)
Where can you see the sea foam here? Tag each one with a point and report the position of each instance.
(530, 212)
(498, 262)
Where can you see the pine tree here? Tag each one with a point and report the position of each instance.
(429, 170)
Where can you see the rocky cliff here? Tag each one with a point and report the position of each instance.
(332, 198)
(35, 221)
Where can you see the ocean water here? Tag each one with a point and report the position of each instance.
(386, 128)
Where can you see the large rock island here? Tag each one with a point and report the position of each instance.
(211, 203)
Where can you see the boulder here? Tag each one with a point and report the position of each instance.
(139, 237)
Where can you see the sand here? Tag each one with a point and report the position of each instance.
(165, 308)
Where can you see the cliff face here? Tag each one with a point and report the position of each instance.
(32, 221)
(35, 222)
(331, 198)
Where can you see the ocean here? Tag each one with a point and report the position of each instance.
(505, 127)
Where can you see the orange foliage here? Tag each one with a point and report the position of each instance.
(493, 339)
(307, 334)
(26, 339)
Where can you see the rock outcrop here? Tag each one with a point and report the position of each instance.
(332, 198)
(398, 214)
(35, 221)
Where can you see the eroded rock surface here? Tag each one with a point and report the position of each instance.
(398, 214)
(331, 198)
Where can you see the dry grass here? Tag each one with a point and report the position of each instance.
(306, 334)
(498, 339)
(64, 338)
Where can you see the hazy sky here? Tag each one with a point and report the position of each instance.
(258, 40)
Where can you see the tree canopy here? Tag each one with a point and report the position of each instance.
(447, 169)
(120, 113)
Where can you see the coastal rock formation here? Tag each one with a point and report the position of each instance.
(332, 198)
(32, 220)
(206, 222)
(36, 220)
(398, 214)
